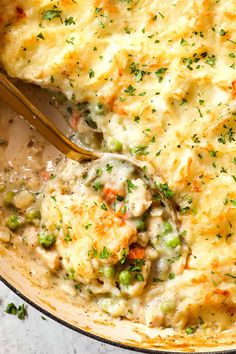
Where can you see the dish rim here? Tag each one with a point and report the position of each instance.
(95, 336)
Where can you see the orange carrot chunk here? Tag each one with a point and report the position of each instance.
(136, 253)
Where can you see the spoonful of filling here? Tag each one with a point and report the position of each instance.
(154, 187)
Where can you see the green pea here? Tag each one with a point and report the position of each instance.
(32, 215)
(173, 242)
(125, 277)
(114, 145)
(167, 228)
(13, 222)
(167, 306)
(109, 272)
(45, 239)
(99, 109)
(9, 198)
(190, 330)
(140, 225)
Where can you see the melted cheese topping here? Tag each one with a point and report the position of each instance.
(165, 73)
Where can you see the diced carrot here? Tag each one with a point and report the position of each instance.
(110, 194)
(123, 215)
(45, 175)
(234, 88)
(136, 253)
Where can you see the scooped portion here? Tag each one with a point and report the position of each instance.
(108, 227)
(98, 231)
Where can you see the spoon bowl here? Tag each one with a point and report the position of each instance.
(25, 108)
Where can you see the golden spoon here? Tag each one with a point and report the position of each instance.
(21, 105)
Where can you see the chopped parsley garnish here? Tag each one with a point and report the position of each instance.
(105, 253)
(67, 237)
(70, 41)
(13, 310)
(160, 73)
(103, 206)
(222, 32)
(97, 186)
(137, 72)
(51, 14)
(124, 255)
(91, 73)
(69, 21)
(109, 168)
(166, 190)
(137, 265)
(40, 36)
(195, 139)
(213, 153)
(98, 9)
(92, 253)
(233, 202)
(211, 60)
(123, 210)
(99, 172)
(139, 277)
(183, 42)
(130, 186)
(70, 273)
(21, 312)
(88, 226)
(184, 210)
(140, 150)
(78, 286)
(130, 90)
(221, 139)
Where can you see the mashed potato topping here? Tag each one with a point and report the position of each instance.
(156, 80)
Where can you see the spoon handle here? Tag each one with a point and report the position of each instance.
(21, 105)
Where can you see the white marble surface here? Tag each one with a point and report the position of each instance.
(37, 336)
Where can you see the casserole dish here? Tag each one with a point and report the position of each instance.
(88, 242)
(122, 333)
